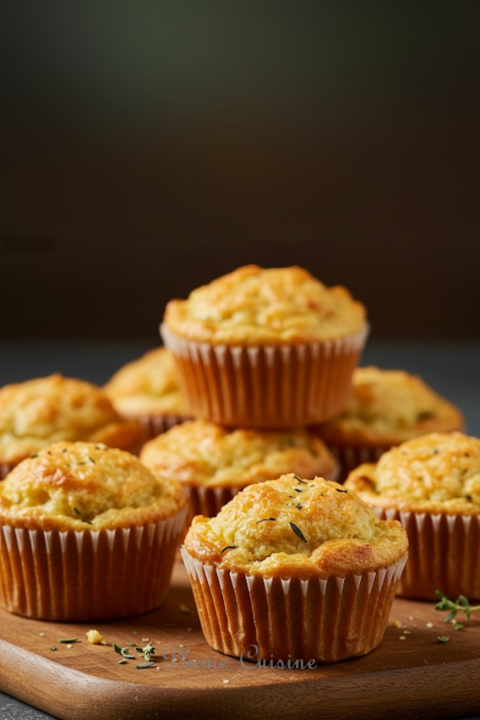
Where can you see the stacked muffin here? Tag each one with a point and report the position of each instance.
(291, 561)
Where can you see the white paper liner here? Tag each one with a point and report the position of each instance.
(266, 386)
(444, 554)
(350, 457)
(157, 424)
(208, 501)
(5, 468)
(90, 574)
(322, 620)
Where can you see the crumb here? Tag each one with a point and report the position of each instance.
(145, 639)
(189, 629)
(429, 624)
(225, 682)
(42, 634)
(407, 632)
(411, 618)
(402, 637)
(95, 638)
(184, 609)
(69, 646)
(397, 624)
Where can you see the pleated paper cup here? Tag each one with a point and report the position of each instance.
(208, 500)
(444, 554)
(350, 457)
(267, 387)
(155, 425)
(87, 575)
(5, 468)
(255, 618)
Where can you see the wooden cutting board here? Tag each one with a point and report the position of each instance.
(410, 673)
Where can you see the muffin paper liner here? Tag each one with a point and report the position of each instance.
(5, 468)
(444, 554)
(256, 618)
(208, 501)
(266, 386)
(351, 456)
(87, 575)
(158, 424)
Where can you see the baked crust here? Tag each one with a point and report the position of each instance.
(203, 454)
(67, 484)
(341, 534)
(36, 413)
(388, 407)
(148, 386)
(436, 473)
(255, 306)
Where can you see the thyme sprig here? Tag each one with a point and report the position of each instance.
(461, 604)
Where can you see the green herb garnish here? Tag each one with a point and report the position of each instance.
(443, 638)
(340, 490)
(303, 482)
(272, 519)
(229, 547)
(425, 415)
(461, 604)
(144, 665)
(298, 532)
(68, 640)
(82, 516)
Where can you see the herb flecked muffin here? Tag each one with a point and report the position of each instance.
(86, 532)
(387, 408)
(148, 390)
(39, 412)
(266, 348)
(432, 485)
(294, 569)
(214, 463)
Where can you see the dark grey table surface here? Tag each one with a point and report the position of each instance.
(452, 369)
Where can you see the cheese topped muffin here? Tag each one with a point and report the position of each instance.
(203, 454)
(255, 306)
(85, 486)
(36, 413)
(147, 386)
(436, 473)
(296, 527)
(388, 407)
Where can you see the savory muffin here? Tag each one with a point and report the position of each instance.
(86, 532)
(36, 413)
(148, 390)
(214, 463)
(294, 568)
(432, 485)
(387, 407)
(266, 348)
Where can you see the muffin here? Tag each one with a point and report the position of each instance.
(267, 349)
(432, 485)
(387, 407)
(37, 413)
(148, 390)
(214, 463)
(294, 569)
(86, 533)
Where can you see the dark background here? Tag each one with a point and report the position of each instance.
(149, 147)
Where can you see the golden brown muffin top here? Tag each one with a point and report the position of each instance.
(388, 407)
(36, 413)
(295, 527)
(252, 306)
(201, 453)
(147, 386)
(85, 486)
(436, 473)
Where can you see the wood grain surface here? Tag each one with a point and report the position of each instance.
(415, 674)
